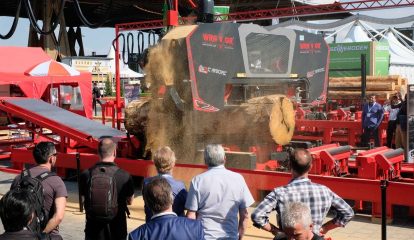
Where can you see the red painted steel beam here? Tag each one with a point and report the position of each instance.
(348, 188)
(43, 122)
(306, 10)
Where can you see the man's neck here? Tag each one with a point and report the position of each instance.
(108, 160)
(295, 175)
(46, 165)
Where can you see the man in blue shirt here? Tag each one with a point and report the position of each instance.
(164, 161)
(165, 224)
(372, 115)
(219, 198)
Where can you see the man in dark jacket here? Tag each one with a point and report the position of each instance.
(164, 223)
(401, 131)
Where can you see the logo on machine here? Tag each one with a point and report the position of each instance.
(308, 47)
(313, 72)
(346, 48)
(207, 70)
(219, 41)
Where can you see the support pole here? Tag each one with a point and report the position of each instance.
(78, 179)
(363, 78)
(118, 80)
(384, 184)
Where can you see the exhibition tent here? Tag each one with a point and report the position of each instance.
(17, 62)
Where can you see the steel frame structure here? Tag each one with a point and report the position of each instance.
(306, 10)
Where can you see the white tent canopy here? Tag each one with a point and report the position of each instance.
(402, 58)
(125, 71)
(356, 34)
(399, 53)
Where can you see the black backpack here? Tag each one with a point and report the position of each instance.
(34, 186)
(101, 203)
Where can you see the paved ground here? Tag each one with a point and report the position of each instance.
(360, 228)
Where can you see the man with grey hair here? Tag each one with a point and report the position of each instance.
(219, 198)
(297, 222)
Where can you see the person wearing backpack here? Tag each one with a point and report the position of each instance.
(107, 190)
(16, 213)
(53, 188)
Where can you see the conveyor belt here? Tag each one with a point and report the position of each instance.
(60, 117)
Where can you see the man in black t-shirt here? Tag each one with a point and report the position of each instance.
(117, 228)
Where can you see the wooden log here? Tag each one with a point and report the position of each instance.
(370, 79)
(389, 86)
(262, 120)
(380, 95)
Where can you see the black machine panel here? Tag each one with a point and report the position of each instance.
(216, 55)
(221, 54)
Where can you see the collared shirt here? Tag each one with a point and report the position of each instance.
(217, 195)
(319, 198)
(163, 214)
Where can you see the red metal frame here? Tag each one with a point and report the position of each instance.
(348, 188)
(306, 10)
(331, 129)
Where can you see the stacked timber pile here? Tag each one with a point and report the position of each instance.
(382, 86)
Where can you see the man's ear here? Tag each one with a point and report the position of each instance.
(311, 227)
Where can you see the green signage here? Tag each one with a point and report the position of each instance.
(348, 56)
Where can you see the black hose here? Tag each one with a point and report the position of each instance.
(123, 47)
(130, 50)
(33, 20)
(140, 39)
(14, 25)
(151, 38)
(85, 21)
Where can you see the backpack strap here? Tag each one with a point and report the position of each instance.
(25, 173)
(45, 175)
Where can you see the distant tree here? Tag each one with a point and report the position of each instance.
(108, 87)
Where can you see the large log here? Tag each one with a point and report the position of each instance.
(344, 86)
(262, 120)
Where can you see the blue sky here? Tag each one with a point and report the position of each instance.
(99, 40)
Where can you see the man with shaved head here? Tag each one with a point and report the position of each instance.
(300, 189)
(116, 228)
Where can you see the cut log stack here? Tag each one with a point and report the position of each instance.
(382, 86)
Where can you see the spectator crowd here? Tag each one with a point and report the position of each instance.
(214, 207)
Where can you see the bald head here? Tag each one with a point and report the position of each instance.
(301, 162)
(106, 149)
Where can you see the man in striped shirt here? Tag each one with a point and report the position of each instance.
(300, 189)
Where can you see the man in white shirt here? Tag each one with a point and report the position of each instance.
(219, 198)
